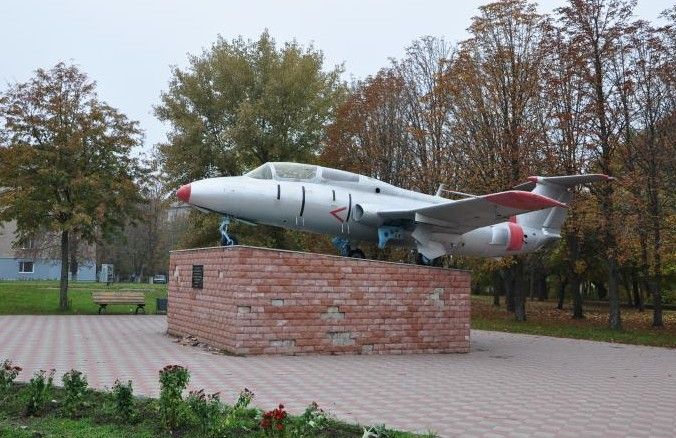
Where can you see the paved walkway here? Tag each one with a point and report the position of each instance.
(509, 385)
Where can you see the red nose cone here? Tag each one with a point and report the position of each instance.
(183, 193)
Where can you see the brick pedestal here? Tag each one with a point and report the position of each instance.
(263, 301)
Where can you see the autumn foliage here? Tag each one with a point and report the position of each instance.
(582, 90)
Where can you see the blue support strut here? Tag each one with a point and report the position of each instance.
(387, 233)
(226, 240)
(342, 245)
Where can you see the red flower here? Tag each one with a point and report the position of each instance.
(280, 426)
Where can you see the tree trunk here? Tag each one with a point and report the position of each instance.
(625, 285)
(73, 257)
(63, 286)
(498, 288)
(520, 299)
(645, 282)
(607, 210)
(562, 292)
(643, 239)
(614, 317)
(638, 298)
(656, 283)
(655, 289)
(575, 285)
(533, 280)
(543, 293)
(519, 284)
(508, 281)
(601, 291)
(657, 263)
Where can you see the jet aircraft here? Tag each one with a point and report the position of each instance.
(354, 208)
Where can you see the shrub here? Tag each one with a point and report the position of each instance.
(207, 410)
(123, 395)
(244, 399)
(312, 421)
(75, 385)
(240, 418)
(173, 381)
(8, 373)
(274, 422)
(39, 390)
(668, 297)
(379, 431)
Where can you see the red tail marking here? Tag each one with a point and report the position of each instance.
(522, 200)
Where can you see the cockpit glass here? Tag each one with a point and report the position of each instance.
(339, 175)
(262, 172)
(295, 171)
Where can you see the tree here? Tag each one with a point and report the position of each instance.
(142, 248)
(634, 194)
(566, 123)
(243, 103)
(493, 86)
(65, 165)
(427, 113)
(595, 28)
(650, 70)
(368, 135)
(395, 125)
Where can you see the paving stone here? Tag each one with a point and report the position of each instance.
(546, 387)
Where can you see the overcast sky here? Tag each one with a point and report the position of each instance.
(127, 46)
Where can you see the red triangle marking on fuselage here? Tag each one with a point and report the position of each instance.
(335, 212)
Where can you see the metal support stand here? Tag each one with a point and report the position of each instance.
(342, 245)
(387, 233)
(226, 240)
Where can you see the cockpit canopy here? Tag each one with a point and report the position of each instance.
(290, 171)
(295, 171)
(301, 172)
(261, 172)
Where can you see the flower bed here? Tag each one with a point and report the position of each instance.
(38, 408)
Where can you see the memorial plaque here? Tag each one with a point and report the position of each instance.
(197, 276)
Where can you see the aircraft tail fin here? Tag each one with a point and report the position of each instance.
(559, 189)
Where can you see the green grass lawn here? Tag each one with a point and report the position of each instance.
(544, 319)
(42, 297)
(68, 428)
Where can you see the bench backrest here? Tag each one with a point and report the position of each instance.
(121, 297)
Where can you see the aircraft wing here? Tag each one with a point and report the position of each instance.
(459, 217)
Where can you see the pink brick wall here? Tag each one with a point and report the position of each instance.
(262, 301)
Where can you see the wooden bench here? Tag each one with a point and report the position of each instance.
(119, 297)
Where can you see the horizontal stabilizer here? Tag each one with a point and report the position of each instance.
(563, 181)
(553, 187)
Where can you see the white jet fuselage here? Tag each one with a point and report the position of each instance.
(356, 208)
